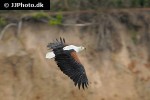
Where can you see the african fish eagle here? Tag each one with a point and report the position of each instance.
(68, 61)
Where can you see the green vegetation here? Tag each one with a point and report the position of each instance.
(40, 15)
(52, 20)
(140, 3)
(134, 36)
(56, 20)
(2, 21)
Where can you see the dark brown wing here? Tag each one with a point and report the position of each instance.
(69, 64)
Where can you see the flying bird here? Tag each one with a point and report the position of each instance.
(67, 60)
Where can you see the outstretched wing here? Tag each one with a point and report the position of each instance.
(57, 44)
(69, 64)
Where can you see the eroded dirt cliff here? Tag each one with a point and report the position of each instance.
(117, 59)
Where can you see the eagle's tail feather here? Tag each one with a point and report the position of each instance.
(57, 44)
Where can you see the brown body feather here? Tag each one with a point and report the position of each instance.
(74, 55)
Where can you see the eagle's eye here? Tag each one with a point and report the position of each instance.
(82, 48)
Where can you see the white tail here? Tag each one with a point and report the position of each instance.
(50, 55)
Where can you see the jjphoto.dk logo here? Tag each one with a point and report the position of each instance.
(13, 5)
(25, 5)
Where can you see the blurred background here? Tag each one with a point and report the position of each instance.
(116, 34)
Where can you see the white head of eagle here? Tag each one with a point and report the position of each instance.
(68, 61)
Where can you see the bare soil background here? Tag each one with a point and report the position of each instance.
(117, 58)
